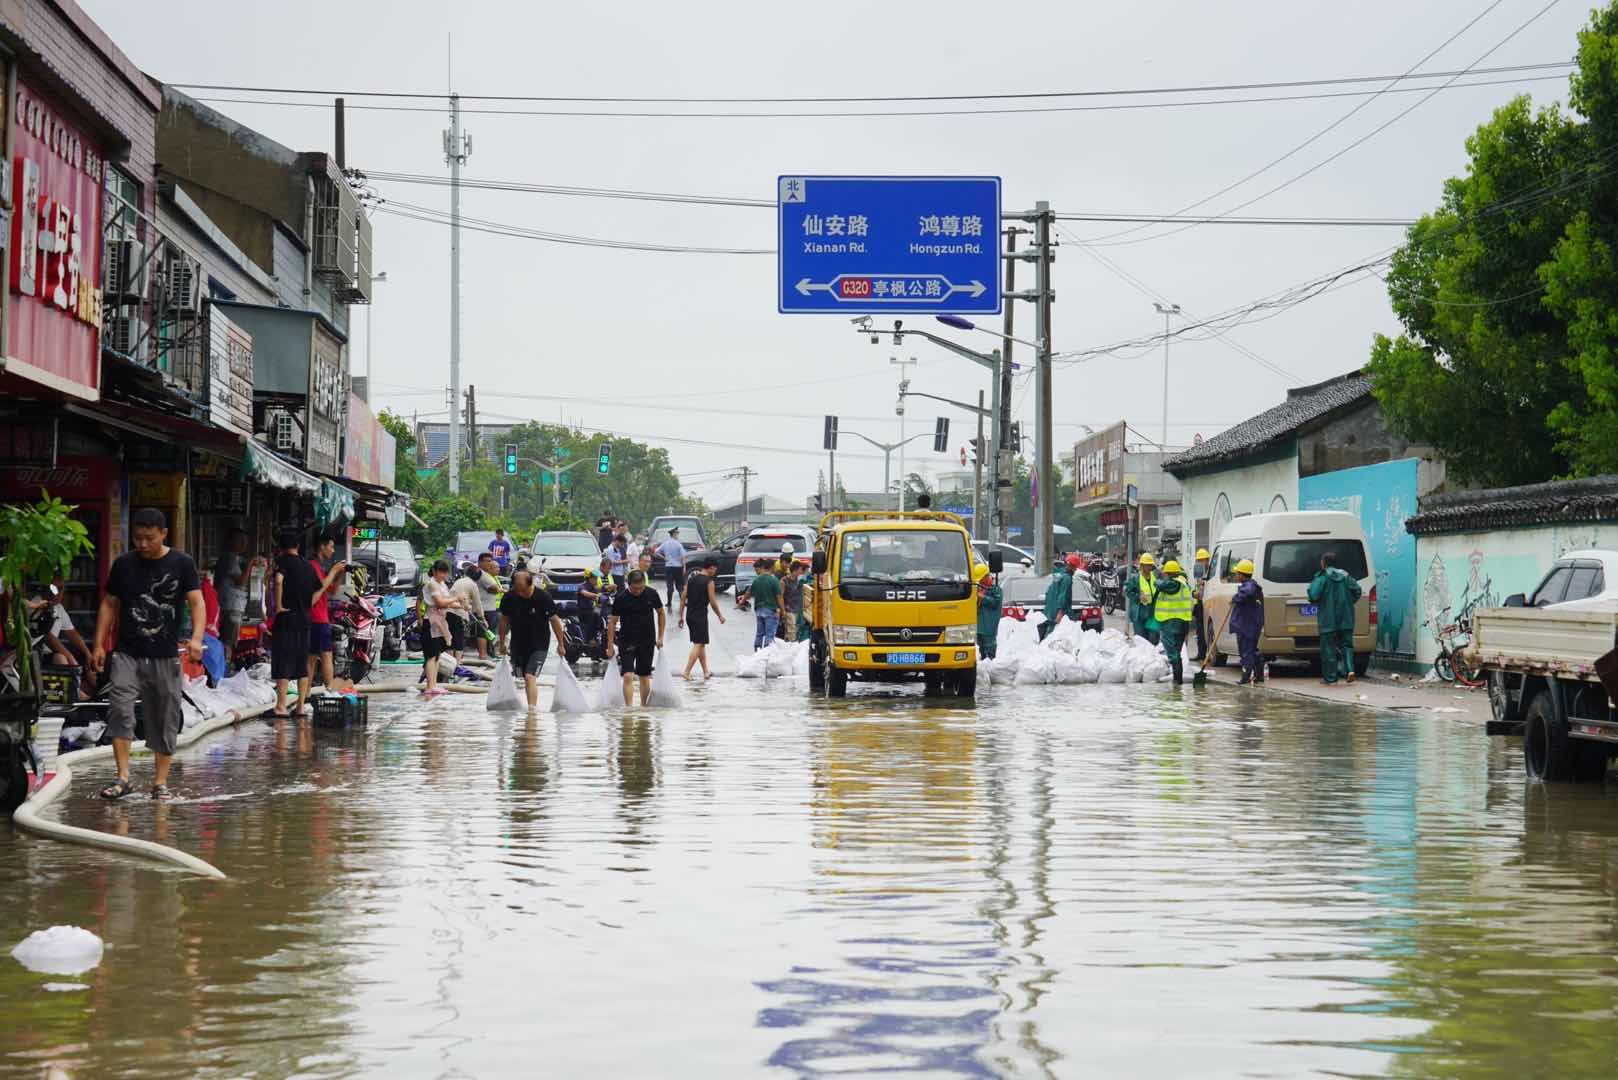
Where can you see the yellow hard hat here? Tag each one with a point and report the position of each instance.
(980, 571)
(1147, 560)
(1202, 553)
(1171, 567)
(1245, 567)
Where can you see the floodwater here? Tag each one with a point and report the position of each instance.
(1096, 880)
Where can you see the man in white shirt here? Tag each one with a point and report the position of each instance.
(673, 552)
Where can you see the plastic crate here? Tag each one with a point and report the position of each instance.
(340, 710)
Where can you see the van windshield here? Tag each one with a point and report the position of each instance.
(904, 555)
(1296, 562)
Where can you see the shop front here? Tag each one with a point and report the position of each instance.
(91, 485)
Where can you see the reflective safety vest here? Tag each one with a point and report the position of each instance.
(1147, 584)
(1175, 605)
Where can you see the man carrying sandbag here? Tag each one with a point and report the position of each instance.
(529, 616)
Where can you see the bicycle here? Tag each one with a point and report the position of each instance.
(1451, 664)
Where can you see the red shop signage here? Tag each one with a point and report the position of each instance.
(55, 258)
(73, 478)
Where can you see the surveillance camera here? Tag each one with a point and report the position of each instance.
(862, 321)
(897, 323)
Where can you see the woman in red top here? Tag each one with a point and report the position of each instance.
(319, 615)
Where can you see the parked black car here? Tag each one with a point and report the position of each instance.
(725, 551)
(400, 568)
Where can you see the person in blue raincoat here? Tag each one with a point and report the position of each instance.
(1247, 622)
(1334, 592)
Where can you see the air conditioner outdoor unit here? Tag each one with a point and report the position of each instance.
(183, 284)
(125, 270)
(125, 333)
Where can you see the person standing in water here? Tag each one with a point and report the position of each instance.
(699, 597)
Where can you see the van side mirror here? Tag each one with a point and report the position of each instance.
(997, 562)
(1516, 599)
(817, 562)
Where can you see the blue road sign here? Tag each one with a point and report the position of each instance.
(889, 244)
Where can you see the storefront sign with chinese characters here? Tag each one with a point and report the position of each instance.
(1098, 467)
(323, 412)
(55, 257)
(369, 453)
(230, 373)
(219, 497)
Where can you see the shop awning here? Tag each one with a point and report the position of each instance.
(259, 466)
(334, 505)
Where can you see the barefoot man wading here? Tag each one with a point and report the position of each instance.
(145, 589)
(635, 632)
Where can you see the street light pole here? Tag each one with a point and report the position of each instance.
(1167, 311)
(887, 455)
(904, 367)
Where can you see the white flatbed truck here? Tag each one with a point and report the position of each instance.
(1553, 677)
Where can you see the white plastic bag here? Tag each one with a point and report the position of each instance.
(503, 694)
(569, 694)
(610, 694)
(1066, 669)
(754, 666)
(664, 695)
(1036, 669)
(1116, 669)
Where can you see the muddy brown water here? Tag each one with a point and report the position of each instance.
(1113, 881)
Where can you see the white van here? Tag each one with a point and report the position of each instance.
(1286, 550)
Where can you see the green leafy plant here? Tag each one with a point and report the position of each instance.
(39, 542)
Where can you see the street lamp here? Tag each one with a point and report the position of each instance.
(967, 324)
(370, 372)
(1166, 311)
(904, 367)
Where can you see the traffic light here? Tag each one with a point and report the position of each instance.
(511, 459)
(820, 503)
(1016, 437)
(941, 435)
(829, 441)
(978, 448)
(604, 459)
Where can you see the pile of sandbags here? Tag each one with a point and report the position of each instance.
(776, 660)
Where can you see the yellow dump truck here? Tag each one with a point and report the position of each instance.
(893, 601)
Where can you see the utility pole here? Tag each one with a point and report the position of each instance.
(746, 474)
(1167, 311)
(457, 148)
(1004, 474)
(979, 448)
(904, 367)
(1043, 218)
(472, 424)
(421, 444)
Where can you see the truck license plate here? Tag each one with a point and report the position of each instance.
(907, 658)
(1310, 609)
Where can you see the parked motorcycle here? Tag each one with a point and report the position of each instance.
(1112, 591)
(356, 632)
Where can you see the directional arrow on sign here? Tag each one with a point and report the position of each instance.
(805, 287)
(975, 289)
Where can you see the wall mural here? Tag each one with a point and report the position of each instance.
(1382, 496)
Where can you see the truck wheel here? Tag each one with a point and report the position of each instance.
(817, 661)
(1547, 752)
(1501, 706)
(966, 683)
(933, 685)
(836, 681)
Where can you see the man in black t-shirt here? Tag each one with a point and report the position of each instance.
(294, 590)
(529, 615)
(635, 631)
(145, 589)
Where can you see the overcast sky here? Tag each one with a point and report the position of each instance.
(551, 322)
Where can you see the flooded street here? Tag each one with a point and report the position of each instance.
(1108, 880)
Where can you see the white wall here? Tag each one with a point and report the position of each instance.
(1248, 489)
(1454, 569)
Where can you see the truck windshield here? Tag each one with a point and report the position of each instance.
(904, 555)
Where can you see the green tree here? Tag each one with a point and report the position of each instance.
(445, 516)
(38, 542)
(1508, 292)
(404, 449)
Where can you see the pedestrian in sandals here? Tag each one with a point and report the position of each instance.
(145, 589)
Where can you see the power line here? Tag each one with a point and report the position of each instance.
(995, 96)
(1333, 126)
(618, 114)
(432, 217)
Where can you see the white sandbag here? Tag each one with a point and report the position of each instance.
(985, 672)
(778, 659)
(1157, 669)
(503, 695)
(1090, 667)
(1004, 671)
(1115, 669)
(1037, 669)
(61, 950)
(569, 697)
(610, 694)
(754, 666)
(1065, 638)
(446, 667)
(1088, 641)
(664, 694)
(1065, 669)
(800, 658)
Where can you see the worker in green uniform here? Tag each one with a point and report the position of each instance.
(990, 601)
(1141, 590)
(1172, 603)
(1334, 593)
(1058, 599)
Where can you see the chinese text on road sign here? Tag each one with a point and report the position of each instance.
(889, 244)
